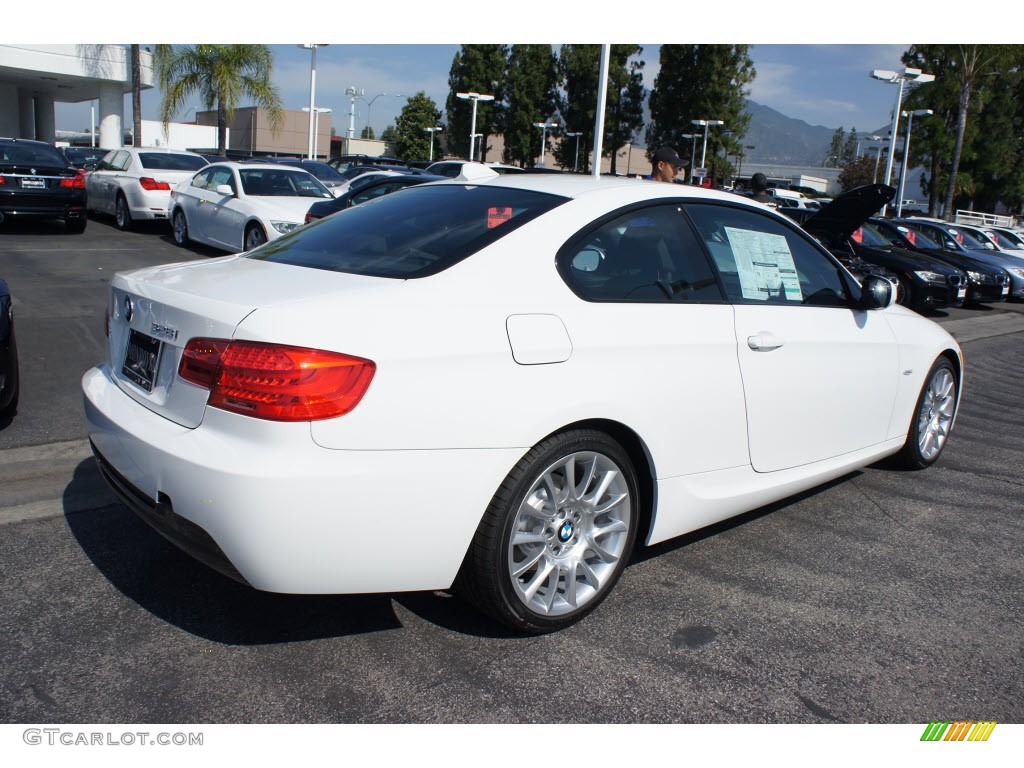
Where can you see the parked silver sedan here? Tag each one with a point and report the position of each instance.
(134, 183)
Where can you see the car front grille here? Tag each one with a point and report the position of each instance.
(954, 280)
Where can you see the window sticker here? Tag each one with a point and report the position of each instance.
(765, 265)
(497, 216)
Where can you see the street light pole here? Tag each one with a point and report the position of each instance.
(474, 97)
(544, 138)
(693, 149)
(312, 89)
(432, 131)
(316, 134)
(576, 154)
(888, 76)
(704, 150)
(906, 152)
(354, 93)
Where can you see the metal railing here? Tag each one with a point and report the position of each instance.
(983, 219)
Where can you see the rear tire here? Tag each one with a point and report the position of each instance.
(556, 536)
(932, 419)
(122, 215)
(12, 406)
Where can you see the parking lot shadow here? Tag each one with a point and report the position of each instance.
(171, 585)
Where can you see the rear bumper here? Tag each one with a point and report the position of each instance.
(263, 503)
(43, 206)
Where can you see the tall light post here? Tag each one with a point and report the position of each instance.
(475, 98)
(369, 104)
(312, 89)
(706, 123)
(544, 137)
(316, 134)
(353, 93)
(878, 154)
(432, 131)
(576, 154)
(888, 76)
(693, 150)
(906, 152)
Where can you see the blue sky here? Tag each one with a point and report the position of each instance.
(805, 67)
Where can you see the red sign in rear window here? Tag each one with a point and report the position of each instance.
(498, 216)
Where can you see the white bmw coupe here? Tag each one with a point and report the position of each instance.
(500, 384)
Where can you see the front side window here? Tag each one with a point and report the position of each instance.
(202, 180)
(761, 260)
(222, 176)
(644, 255)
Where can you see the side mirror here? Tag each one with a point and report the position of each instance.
(587, 260)
(877, 293)
(950, 245)
(225, 190)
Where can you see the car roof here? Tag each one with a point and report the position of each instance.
(247, 166)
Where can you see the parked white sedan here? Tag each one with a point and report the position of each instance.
(134, 183)
(239, 206)
(498, 384)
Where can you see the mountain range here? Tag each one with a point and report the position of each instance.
(785, 140)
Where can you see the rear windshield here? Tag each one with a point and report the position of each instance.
(165, 161)
(420, 232)
(38, 154)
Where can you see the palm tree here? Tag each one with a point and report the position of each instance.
(220, 76)
(136, 96)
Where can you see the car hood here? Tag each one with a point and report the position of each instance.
(898, 258)
(838, 220)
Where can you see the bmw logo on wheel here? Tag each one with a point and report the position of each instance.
(565, 532)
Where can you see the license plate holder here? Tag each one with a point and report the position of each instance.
(28, 183)
(1006, 289)
(961, 293)
(141, 358)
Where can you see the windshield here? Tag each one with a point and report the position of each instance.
(280, 182)
(871, 236)
(167, 161)
(966, 240)
(420, 232)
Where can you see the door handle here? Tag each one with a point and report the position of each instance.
(764, 341)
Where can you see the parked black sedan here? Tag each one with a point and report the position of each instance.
(923, 282)
(37, 181)
(382, 186)
(8, 354)
(986, 283)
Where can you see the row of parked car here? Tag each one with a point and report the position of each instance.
(934, 263)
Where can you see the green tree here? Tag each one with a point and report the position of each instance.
(857, 173)
(849, 153)
(367, 132)
(531, 96)
(475, 69)
(220, 76)
(578, 71)
(412, 141)
(835, 150)
(389, 135)
(700, 82)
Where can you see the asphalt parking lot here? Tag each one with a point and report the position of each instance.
(883, 597)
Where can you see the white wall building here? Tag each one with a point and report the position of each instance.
(34, 77)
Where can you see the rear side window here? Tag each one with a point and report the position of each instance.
(645, 255)
(420, 232)
(166, 161)
(29, 154)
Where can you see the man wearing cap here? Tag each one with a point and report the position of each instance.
(666, 165)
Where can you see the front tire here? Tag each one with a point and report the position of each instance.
(254, 237)
(932, 419)
(122, 215)
(556, 536)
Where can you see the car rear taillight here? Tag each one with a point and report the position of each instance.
(150, 184)
(75, 182)
(274, 381)
(2, 182)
